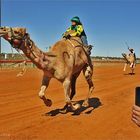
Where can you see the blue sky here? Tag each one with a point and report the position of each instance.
(108, 24)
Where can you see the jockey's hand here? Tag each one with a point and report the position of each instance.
(67, 36)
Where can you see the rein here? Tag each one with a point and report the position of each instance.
(78, 42)
(25, 40)
(82, 46)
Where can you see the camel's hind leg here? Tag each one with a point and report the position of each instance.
(73, 85)
(88, 75)
(73, 91)
(45, 84)
(67, 86)
(132, 71)
(132, 68)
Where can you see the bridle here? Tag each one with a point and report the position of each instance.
(22, 40)
(25, 39)
(13, 37)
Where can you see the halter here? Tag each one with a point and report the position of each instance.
(13, 37)
(23, 39)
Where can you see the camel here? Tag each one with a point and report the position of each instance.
(131, 60)
(64, 61)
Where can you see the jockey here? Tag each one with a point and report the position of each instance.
(132, 53)
(78, 29)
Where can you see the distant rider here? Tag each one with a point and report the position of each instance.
(132, 53)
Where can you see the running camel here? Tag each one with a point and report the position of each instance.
(64, 61)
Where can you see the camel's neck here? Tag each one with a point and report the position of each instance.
(37, 56)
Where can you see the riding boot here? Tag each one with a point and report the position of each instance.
(88, 49)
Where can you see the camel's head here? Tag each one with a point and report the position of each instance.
(14, 36)
(124, 55)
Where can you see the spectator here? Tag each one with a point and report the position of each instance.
(136, 115)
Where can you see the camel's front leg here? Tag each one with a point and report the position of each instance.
(88, 75)
(67, 86)
(45, 84)
(125, 65)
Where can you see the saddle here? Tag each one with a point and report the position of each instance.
(76, 41)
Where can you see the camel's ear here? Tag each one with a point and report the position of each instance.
(23, 31)
(27, 34)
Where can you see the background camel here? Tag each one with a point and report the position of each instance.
(131, 60)
(64, 61)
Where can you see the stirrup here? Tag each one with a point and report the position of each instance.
(88, 48)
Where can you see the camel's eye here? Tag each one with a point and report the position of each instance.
(2, 28)
(16, 32)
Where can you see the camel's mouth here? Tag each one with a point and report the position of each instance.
(14, 35)
(2, 34)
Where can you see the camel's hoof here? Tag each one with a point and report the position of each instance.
(48, 102)
(85, 104)
(63, 111)
(76, 106)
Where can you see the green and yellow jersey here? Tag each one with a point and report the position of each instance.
(79, 31)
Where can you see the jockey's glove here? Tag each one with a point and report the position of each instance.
(67, 36)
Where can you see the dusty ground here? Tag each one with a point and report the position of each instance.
(23, 116)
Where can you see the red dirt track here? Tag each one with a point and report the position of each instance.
(23, 116)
